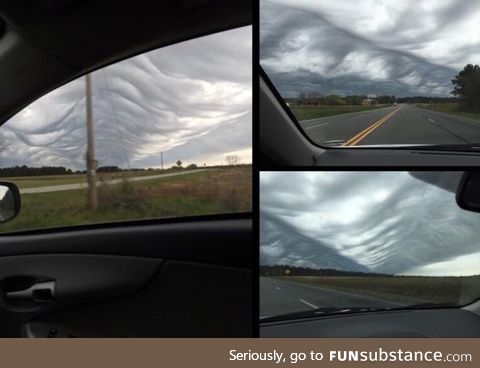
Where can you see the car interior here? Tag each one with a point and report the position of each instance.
(188, 277)
(419, 322)
(284, 143)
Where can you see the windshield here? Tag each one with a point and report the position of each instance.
(374, 73)
(339, 241)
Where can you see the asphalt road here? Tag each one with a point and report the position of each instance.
(58, 188)
(402, 124)
(280, 297)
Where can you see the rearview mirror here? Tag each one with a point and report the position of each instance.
(9, 201)
(468, 192)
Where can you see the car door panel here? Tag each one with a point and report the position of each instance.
(183, 299)
(190, 278)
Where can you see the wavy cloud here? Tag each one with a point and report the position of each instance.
(361, 47)
(192, 101)
(391, 222)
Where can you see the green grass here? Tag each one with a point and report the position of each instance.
(451, 108)
(306, 112)
(211, 191)
(402, 289)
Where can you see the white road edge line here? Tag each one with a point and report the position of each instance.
(344, 293)
(318, 125)
(309, 304)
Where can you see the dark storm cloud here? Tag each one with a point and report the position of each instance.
(364, 47)
(380, 221)
(277, 238)
(191, 101)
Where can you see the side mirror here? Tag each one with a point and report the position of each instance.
(468, 192)
(9, 201)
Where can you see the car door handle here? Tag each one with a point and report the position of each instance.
(39, 292)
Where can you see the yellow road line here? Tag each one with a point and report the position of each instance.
(364, 133)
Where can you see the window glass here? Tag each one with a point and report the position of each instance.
(337, 242)
(171, 135)
(376, 73)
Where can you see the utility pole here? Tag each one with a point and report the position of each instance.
(161, 158)
(91, 163)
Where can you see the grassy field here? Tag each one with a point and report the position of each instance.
(450, 108)
(210, 191)
(403, 289)
(306, 112)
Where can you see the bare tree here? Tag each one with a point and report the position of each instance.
(232, 160)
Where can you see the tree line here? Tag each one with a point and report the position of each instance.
(25, 170)
(427, 99)
(466, 89)
(285, 270)
(34, 171)
(336, 100)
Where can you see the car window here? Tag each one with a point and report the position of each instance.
(372, 73)
(354, 241)
(170, 137)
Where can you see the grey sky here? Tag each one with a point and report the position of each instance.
(389, 222)
(191, 100)
(401, 48)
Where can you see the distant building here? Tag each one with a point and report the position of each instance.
(370, 100)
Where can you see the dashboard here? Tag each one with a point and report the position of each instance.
(447, 322)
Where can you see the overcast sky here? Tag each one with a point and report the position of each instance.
(389, 222)
(401, 48)
(191, 100)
